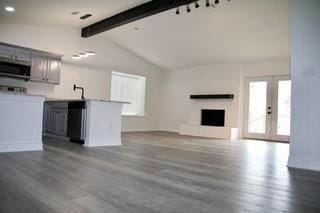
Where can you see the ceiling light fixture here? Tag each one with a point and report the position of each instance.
(196, 4)
(90, 53)
(188, 9)
(83, 55)
(207, 3)
(76, 57)
(10, 9)
(177, 11)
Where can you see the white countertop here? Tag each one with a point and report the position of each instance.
(67, 100)
(20, 94)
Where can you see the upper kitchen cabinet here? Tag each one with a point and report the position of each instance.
(15, 54)
(22, 55)
(54, 70)
(6, 52)
(39, 68)
(45, 68)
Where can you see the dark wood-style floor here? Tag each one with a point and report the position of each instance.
(157, 172)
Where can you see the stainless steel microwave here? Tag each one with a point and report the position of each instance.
(15, 70)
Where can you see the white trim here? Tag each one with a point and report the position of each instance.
(300, 163)
(104, 142)
(21, 146)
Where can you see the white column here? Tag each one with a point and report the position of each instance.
(305, 75)
(20, 122)
(103, 123)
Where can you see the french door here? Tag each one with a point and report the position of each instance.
(267, 108)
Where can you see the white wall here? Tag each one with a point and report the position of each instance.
(305, 51)
(220, 78)
(93, 73)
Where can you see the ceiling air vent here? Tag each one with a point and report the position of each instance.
(85, 16)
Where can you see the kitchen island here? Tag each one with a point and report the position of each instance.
(89, 122)
(20, 122)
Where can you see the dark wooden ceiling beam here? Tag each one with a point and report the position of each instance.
(139, 12)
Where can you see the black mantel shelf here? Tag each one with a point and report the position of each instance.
(212, 96)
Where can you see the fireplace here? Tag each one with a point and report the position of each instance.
(212, 117)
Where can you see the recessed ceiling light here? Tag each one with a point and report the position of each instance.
(90, 53)
(76, 57)
(10, 9)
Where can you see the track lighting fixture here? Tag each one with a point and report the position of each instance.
(188, 9)
(207, 3)
(196, 4)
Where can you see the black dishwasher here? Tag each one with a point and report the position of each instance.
(76, 121)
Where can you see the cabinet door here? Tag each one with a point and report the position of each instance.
(63, 122)
(54, 70)
(38, 68)
(6, 52)
(22, 55)
(51, 122)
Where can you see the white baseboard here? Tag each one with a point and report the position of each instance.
(300, 163)
(21, 147)
(104, 142)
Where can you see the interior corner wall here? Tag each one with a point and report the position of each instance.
(220, 78)
(93, 74)
(305, 69)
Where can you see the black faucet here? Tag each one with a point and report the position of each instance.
(81, 88)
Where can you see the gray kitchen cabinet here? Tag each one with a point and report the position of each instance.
(56, 119)
(38, 68)
(45, 66)
(22, 55)
(45, 69)
(12, 53)
(54, 70)
(7, 51)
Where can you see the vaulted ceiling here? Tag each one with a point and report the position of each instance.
(240, 30)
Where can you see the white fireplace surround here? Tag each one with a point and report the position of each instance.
(218, 132)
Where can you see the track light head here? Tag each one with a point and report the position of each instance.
(196, 4)
(216, 2)
(177, 11)
(207, 3)
(188, 9)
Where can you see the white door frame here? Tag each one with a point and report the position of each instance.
(271, 107)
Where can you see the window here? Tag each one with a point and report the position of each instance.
(129, 88)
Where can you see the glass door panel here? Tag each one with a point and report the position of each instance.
(257, 107)
(284, 107)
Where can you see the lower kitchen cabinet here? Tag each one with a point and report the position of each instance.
(56, 119)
